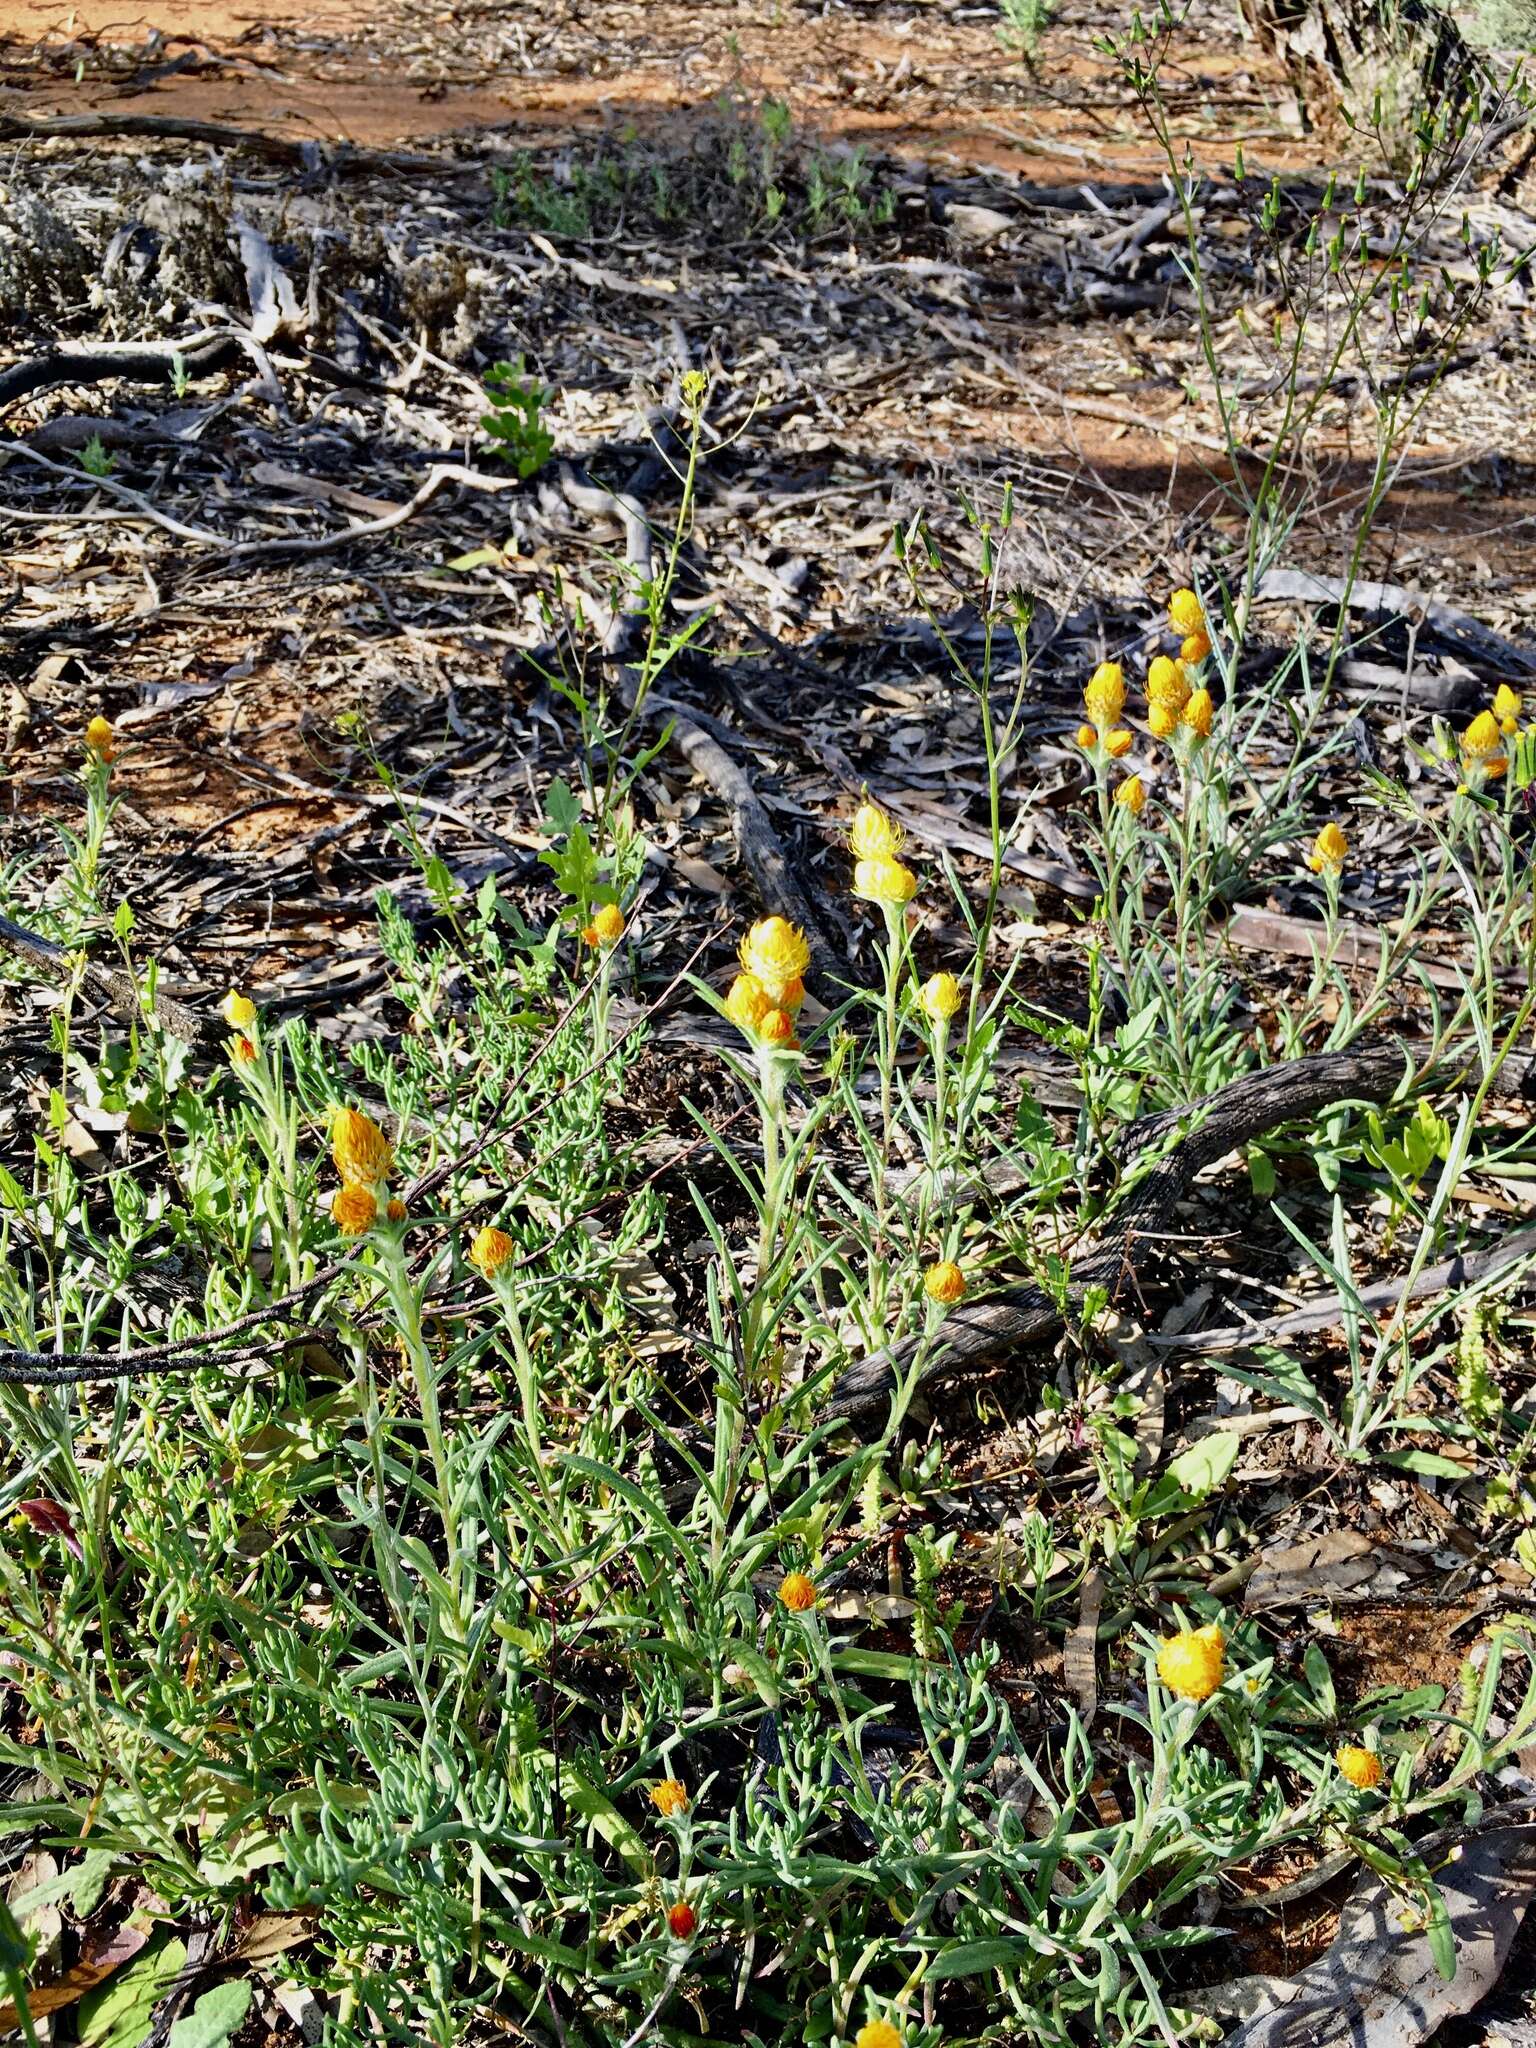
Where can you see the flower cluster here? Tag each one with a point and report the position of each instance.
(1177, 700)
(364, 1158)
(244, 1042)
(764, 999)
(879, 875)
(1484, 745)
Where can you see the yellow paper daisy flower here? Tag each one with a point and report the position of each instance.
(490, 1250)
(884, 881)
(1186, 613)
(944, 1283)
(775, 954)
(1330, 850)
(873, 835)
(354, 1210)
(360, 1149)
(1361, 1767)
(1193, 1662)
(939, 998)
(1105, 694)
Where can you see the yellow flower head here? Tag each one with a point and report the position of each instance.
(1133, 794)
(1167, 683)
(939, 998)
(1194, 648)
(1198, 713)
(1506, 709)
(1193, 1662)
(884, 881)
(354, 1210)
(778, 1029)
(670, 1797)
(797, 1590)
(360, 1149)
(874, 836)
(1330, 849)
(395, 1209)
(1119, 742)
(944, 1283)
(1186, 613)
(98, 739)
(1362, 1767)
(1087, 738)
(877, 2034)
(1482, 737)
(776, 955)
(1162, 720)
(747, 1002)
(490, 1250)
(607, 926)
(239, 1011)
(241, 1050)
(1482, 748)
(1105, 694)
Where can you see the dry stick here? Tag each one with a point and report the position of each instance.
(143, 362)
(1466, 1269)
(117, 989)
(983, 1332)
(757, 843)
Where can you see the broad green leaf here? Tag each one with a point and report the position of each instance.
(975, 1958)
(216, 2017)
(122, 2014)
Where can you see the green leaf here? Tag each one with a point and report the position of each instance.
(214, 2020)
(1193, 1475)
(561, 809)
(1261, 1172)
(477, 558)
(122, 2013)
(601, 1812)
(1428, 1464)
(975, 1958)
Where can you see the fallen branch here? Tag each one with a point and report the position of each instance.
(1395, 601)
(983, 1332)
(140, 362)
(121, 993)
